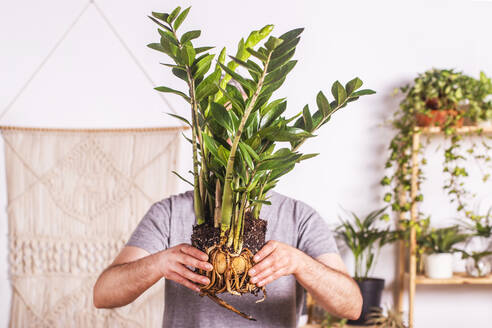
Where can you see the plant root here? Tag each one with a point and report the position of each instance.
(230, 274)
(223, 303)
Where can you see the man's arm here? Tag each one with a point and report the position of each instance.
(325, 278)
(134, 271)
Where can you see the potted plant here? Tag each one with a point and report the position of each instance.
(364, 239)
(439, 246)
(441, 97)
(478, 248)
(235, 131)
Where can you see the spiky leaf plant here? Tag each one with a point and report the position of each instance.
(235, 129)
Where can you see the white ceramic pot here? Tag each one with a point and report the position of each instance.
(439, 265)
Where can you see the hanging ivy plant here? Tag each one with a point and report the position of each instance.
(447, 99)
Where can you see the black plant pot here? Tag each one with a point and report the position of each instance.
(371, 290)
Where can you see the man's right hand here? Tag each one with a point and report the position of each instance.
(134, 270)
(173, 264)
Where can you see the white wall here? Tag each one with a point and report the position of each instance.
(91, 82)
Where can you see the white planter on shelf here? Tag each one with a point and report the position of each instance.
(439, 265)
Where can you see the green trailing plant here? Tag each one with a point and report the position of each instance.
(365, 238)
(437, 90)
(422, 227)
(235, 130)
(391, 319)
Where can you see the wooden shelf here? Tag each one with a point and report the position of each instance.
(457, 279)
(462, 130)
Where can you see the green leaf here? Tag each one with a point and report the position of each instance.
(353, 85)
(208, 86)
(169, 47)
(338, 92)
(223, 154)
(203, 66)
(256, 54)
(256, 36)
(185, 180)
(280, 73)
(250, 150)
(244, 83)
(246, 65)
(161, 16)
(285, 48)
(173, 14)
(292, 34)
(221, 116)
(308, 120)
(181, 18)
(187, 54)
(273, 43)
(246, 156)
(159, 23)
(323, 104)
(176, 92)
(157, 46)
(180, 118)
(307, 156)
(202, 49)
(213, 148)
(281, 60)
(363, 92)
(274, 112)
(188, 36)
(168, 36)
(289, 134)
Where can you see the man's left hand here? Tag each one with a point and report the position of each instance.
(273, 261)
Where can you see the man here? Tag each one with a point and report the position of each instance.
(300, 252)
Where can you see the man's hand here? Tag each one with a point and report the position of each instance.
(173, 262)
(325, 277)
(274, 260)
(134, 270)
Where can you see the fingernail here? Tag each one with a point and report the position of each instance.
(205, 281)
(256, 258)
(197, 289)
(253, 280)
(252, 272)
(209, 267)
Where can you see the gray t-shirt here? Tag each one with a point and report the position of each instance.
(169, 222)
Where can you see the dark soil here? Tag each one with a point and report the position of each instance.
(205, 235)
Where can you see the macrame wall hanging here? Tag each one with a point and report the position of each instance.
(74, 197)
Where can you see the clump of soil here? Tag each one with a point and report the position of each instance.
(205, 235)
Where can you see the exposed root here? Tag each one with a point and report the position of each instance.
(223, 303)
(230, 274)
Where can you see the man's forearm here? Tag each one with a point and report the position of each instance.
(335, 291)
(121, 284)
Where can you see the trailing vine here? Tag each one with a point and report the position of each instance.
(446, 99)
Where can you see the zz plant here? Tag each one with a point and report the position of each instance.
(235, 130)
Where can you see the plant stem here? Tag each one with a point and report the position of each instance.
(227, 201)
(197, 195)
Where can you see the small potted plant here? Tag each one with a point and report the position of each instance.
(365, 239)
(439, 245)
(444, 97)
(478, 248)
